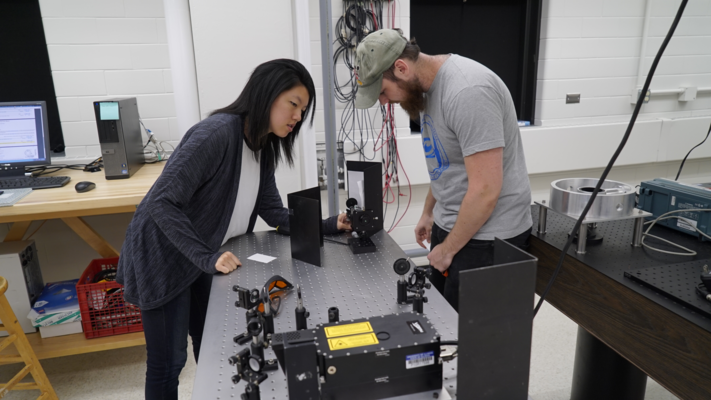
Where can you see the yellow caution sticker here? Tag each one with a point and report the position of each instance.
(348, 342)
(349, 329)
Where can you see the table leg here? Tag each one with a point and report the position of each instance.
(638, 231)
(601, 373)
(91, 237)
(542, 217)
(582, 239)
(17, 231)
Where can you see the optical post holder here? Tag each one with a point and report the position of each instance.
(260, 327)
(300, 312)
(252, 369)
(416, 283)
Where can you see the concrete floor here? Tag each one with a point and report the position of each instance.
(120, 374)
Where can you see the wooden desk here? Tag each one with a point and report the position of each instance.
(109, 197)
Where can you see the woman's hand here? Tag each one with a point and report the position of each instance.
(343, 223)
(227, 263)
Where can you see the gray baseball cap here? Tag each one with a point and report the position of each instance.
(374, 55)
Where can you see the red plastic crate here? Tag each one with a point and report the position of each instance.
(103, 309)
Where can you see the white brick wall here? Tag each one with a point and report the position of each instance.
(101, 49)
(593, 48)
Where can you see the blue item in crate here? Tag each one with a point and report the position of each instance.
(660, 196)
(57, 297)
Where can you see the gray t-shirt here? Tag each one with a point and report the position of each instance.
(468, 110)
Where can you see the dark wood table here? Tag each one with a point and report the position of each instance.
(665, 340)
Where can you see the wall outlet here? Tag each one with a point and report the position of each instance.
(572, 98)
(635, 96)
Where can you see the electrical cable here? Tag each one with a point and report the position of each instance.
(48, 169)
(335, 241)
(149, 133)
(158, 154)
(690, 223)
(626, 136)
(360, 18)
(687, 154)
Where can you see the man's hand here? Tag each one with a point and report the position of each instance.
(343, 223)
(423, 230)
(440, 257)
(227, 263)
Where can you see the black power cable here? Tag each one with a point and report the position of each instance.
(358, 127)
(687, 154)
(48, 169)
(637, 107)
(335, 241)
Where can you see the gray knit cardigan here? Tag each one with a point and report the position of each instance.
(178, 228)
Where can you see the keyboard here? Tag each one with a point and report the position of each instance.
(42, 182)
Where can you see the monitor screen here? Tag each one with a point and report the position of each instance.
(23, 134)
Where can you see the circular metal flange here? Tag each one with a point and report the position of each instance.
(614, 199)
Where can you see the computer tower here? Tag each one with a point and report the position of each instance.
(19, 264)
(119, 129)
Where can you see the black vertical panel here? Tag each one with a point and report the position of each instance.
(306, 236)
(491, 35)
(436, 24)
(529, 64)
(25, 73)
(500, 34)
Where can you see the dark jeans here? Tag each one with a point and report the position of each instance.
(166, 329)
(475, 254)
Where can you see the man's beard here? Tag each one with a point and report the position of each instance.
(414, 102)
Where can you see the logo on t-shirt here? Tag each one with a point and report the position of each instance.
(433, 149)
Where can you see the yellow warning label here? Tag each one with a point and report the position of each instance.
(347, 342)
(350, 329)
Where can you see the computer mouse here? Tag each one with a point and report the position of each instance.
(84, 186)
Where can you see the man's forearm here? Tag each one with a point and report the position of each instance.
(475, 210)
(430, 202)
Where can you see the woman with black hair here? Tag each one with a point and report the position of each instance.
(213, 187)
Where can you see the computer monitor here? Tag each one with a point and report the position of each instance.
(24, 136)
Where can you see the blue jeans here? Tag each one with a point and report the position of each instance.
(475, 254)
(166, 329)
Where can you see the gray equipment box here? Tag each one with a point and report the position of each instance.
(660, 196)
(19, 264)
(119, 129)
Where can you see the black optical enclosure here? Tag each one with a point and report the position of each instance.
(365, 184)
(119, 129)
(368, 358)
(495, 326)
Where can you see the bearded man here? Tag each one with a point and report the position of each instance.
(479, 187)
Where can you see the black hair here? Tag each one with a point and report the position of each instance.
(410, 52)
(254, 104)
